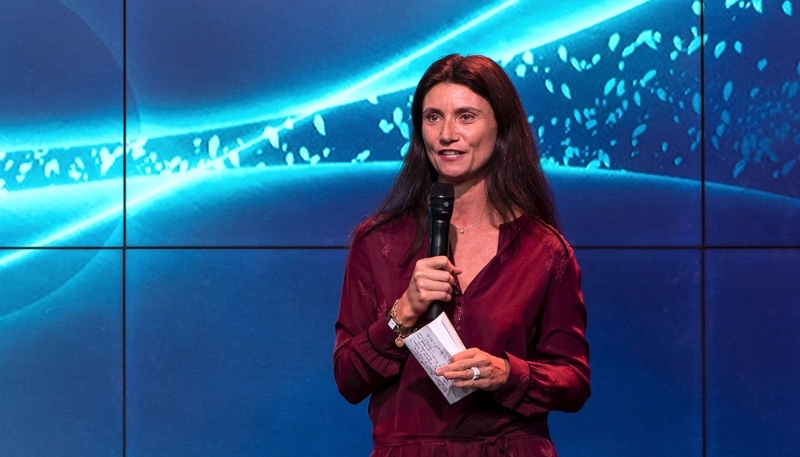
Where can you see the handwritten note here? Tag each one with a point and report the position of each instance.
(433, 345)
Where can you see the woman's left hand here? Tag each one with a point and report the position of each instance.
(493, 371)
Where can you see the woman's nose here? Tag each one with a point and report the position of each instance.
(449, 132)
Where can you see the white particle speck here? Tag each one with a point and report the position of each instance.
(719, 49)
(52, 167)
(25, 168)
(613, 41)
(647, 37)
(762, 64)
(304, 153)
(385, 126)
(628, 50)
(362, 156)
(527, 57)
(610, 86)
(549, 85)
(562, 53)
(397, 116)
(136, 148)
(289, 159)
(694, 45)
(213, 146)
(521, 70)
(565, 90)
(405, 130)
(647, 77)
(787, 7)
(319, 124)
(271, 134)
(107, 159)
(233, 158)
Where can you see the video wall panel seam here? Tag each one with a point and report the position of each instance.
(701, 90)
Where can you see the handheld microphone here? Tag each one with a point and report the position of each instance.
(440, 203)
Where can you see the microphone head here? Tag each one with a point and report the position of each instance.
(441, 200)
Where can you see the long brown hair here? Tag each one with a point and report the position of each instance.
(514, 177)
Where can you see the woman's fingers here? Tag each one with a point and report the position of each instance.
(433, 279)
(476, 368)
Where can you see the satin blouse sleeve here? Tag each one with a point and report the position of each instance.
(555, 375)
(365, 355)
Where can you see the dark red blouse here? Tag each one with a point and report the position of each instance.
(525, 305)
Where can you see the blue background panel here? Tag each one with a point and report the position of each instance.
(229, 353)
(644, 333)
(753, 352)
(752, 123)
(61, 355)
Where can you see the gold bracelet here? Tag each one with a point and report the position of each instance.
(394, 324)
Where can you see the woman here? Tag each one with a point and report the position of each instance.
(511, 286)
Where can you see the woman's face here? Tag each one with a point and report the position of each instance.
(459, 131)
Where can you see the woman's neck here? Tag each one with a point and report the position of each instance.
(471, 204)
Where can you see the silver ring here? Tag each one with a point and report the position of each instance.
(476, 373)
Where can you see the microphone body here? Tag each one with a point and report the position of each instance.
(440, 204)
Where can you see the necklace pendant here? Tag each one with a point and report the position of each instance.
(462, 230)
(399, 341)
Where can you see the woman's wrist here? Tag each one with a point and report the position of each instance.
(405, 312)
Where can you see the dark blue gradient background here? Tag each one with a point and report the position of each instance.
(173, 292)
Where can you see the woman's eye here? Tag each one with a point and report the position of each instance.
(467, 117)
(433, 117)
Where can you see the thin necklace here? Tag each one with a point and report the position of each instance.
(462, 230)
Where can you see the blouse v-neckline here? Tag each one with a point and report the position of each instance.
(507, 232)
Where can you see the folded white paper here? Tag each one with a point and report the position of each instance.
(433, 346)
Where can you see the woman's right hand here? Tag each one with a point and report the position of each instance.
(433, 280)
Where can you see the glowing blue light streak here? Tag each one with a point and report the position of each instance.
(116, 210)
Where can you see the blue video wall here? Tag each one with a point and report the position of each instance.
(178, 181)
